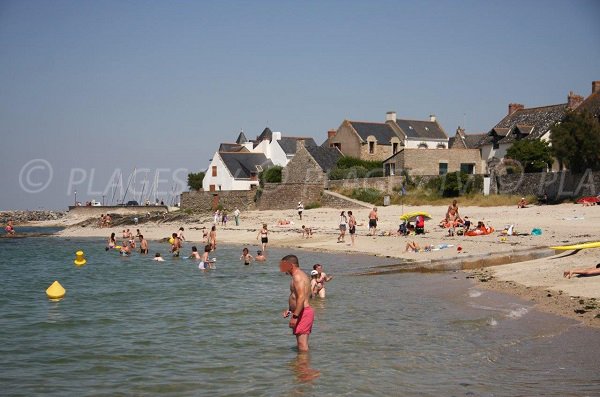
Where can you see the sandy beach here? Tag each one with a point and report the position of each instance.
(540, 280)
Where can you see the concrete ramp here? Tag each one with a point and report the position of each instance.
(336, 200)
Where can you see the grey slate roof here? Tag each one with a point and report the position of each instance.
(230, 147)
(243, 164)
(288, 143)
(326, 157)
(591, 104)
(535, 121)
(382, 132)
(241, 138)
(266, 134)
(417, 129)
(467, 141)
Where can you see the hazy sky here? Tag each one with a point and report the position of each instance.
(88, 88)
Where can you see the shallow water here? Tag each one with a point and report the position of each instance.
(131, 326)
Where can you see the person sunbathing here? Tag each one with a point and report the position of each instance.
(412, 246)
(283, 222)
(592, 271)
(522, 203)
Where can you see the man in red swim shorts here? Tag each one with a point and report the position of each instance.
(298, 304)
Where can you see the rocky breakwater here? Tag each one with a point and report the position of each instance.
(20, 217)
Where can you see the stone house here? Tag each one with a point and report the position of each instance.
(534, 123)
(379, 141)
(311, 165)
(434, 162)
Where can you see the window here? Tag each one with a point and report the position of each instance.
(467, 168)
(390, 169)
(338, 145)
(371, 147)
(423, 145)
(394, 148)
(443, 168)
(441, 146)
(214, 170)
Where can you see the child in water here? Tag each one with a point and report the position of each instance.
(246, 257)
(195, 254)
(206, 262)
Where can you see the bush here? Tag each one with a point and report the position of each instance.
(312, 205)
(456, 183)
(271, 175)
(348, 173)
(195, 180)
(368, 195)
(351, 162)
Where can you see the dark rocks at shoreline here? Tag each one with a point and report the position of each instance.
(19, 217)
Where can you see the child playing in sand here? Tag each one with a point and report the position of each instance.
(306, 231)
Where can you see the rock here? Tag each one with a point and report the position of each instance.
(20, 217)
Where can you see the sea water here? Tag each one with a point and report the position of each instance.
(133, 326)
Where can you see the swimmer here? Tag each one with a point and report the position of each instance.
(143, 245)
(321, 279)
(206, 262)
(112, 242)
(158, 258)
(246, 257)
(176, 245)
(315, 286)
(260, 257)
(212, 238)
(125, 250)
(195, 254)
(302, 315)
(10, 229)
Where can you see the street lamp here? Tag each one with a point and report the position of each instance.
(76, 198)
(103, 200)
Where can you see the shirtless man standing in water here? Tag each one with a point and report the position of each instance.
(302, 314)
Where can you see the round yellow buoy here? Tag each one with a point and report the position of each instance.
(79, 259)
(171, 240)
(118, 247)
(56, 291)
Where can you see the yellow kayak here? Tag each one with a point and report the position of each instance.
(577, 246)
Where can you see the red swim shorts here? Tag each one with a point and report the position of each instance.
(305, 321)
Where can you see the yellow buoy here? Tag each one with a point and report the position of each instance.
(56, 291)
(171, 240)
(79, 259)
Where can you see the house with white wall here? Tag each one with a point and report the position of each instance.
(234, 171)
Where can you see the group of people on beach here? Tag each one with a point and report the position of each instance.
(104, 221)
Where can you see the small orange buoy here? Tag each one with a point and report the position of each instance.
(79, 259)
(56, 291)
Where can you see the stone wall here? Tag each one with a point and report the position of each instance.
(557, 185)
(93, 212)
(384, 184)
(19, 217)
(330, 200)
(280, 196)
(206, 202)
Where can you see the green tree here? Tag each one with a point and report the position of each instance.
(271, 175)
(195, 180)
(576, 142)
(534, 155)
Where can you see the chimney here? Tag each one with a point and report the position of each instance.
(299, 144)
(390, 116)
(595, 86)
(432, 118)
(331, 134)
(513, 107)
(574, 100)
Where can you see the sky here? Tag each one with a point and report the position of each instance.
(91, 90)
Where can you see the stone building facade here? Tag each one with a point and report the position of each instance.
(434, 162)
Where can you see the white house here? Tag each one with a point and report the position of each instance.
(234, 171)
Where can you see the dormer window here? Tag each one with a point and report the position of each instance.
(441, 146)
(259, 168)
(422, 145)
(371, 147)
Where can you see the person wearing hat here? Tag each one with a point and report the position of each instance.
(300, 209)
(322, 278)
(315, 285)
(522, 203)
